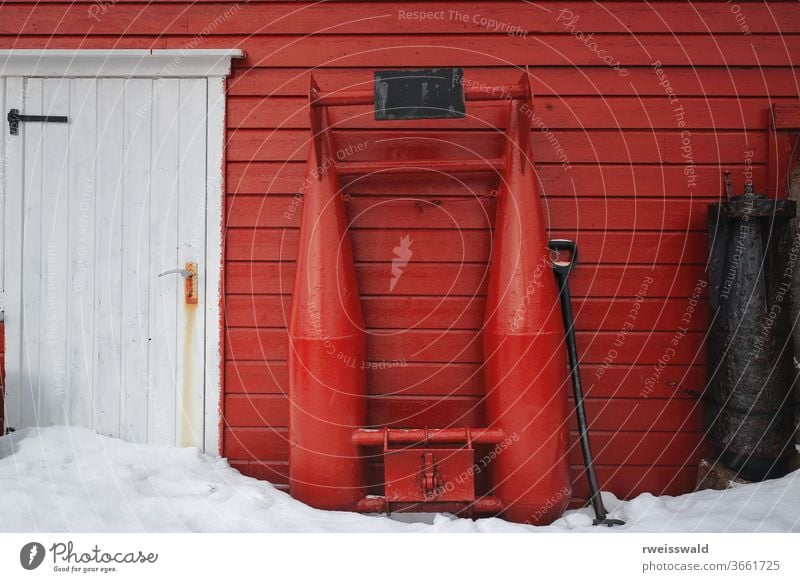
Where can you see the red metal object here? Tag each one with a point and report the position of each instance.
(488, 505)
(526, 378)
(525, 370)
(419, 166)
(327, 391)
(429, 475)
(478, 436)
(190, 283)
(480, 93)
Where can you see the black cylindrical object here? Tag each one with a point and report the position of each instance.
(749, 410)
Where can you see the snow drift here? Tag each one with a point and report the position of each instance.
(60, 479)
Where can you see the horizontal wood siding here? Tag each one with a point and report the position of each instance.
(625, 170)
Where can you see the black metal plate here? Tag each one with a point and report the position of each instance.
(419, 94)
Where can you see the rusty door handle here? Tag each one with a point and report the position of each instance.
(185, 273)
(189, 274)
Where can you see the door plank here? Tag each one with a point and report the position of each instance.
(136, 245)
(108, 256)
(54, 231)
(4, 137)
(191, 247)
(80, 250)
(165, 291)
(13, 221)
(32, 271)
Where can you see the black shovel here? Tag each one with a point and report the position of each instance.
(562, 270)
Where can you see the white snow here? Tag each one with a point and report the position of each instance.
(60, 479)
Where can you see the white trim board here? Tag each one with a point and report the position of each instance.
(215, 203)
(125, 63)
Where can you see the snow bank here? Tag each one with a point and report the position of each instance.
(70, 479)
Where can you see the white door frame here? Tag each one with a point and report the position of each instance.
(214, 65)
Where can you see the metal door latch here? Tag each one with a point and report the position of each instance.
(189, 274)
(429, 472)
(14, 119)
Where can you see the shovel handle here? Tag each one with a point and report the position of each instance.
(564, 268)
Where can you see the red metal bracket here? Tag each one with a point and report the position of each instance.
(429, 475)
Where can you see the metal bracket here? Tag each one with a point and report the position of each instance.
(431, 481)
(189, 274)
(15, 118)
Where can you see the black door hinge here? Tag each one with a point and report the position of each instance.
(14, 119)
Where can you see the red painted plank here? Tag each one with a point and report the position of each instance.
(599, 112)
(46, 19)
(550, 80)
(600, 180)
(107, 41)
(566, 147)
(469, 279)
(419, 379)
(465, 346)
(378, 212)
(787, 116)
(494, 17)
(388, 312)
(467, 213)
(352, 18)
(471, 246)
(629, 482)
(491, 50)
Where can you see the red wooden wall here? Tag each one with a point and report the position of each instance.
(633, 198)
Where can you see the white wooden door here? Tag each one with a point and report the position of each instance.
(95, 210)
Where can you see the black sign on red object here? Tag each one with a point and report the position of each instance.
(419, 94)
